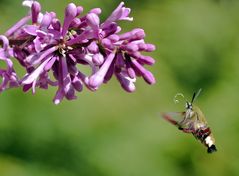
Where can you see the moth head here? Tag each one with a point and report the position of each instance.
(189, 105)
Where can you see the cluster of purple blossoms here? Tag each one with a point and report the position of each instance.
(50, 52)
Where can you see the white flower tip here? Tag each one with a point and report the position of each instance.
(56, 101)
(130, 18)
(95, 81)
(131, 87)
(121, 3)
(27, 3)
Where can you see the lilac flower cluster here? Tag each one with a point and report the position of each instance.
(51, 52)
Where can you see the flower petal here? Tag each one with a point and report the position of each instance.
(30, 78)
(97, 79)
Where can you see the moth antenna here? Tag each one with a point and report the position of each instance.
(195, 95)
(175, 97)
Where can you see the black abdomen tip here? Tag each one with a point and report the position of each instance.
(211, 149)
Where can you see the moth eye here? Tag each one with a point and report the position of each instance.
(186, 105)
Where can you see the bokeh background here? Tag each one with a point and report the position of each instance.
(114, 133)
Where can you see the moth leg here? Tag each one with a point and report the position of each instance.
(187, 130)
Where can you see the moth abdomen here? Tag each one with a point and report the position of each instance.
(210, 143)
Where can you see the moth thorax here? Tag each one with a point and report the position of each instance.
(189, 113)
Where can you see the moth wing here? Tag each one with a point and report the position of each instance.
(174, 117)
(178, 119)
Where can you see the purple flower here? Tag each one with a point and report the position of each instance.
(8, 75)
(97, 78)
(120, 13)
(128, 60)
(50, 51)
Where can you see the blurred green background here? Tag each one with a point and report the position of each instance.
(114, 133)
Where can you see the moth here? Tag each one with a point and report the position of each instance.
(192, 120)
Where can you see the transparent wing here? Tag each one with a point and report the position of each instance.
(174, 117)
(178, 119)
